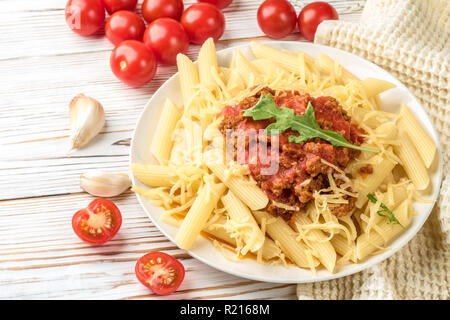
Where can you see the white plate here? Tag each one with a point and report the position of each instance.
(203, 249)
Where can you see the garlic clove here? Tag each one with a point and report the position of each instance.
(87, 118)
(104, 184)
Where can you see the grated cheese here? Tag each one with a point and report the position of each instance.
(285, 206)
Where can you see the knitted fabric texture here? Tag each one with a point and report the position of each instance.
(409, 39)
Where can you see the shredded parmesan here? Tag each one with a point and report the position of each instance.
(260, 251)
(285, 206)
(332, 166)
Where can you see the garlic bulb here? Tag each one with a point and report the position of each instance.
(104, 184)
(87, 118)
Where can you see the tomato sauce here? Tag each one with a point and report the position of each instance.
(300, 171)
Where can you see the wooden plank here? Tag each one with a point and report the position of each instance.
(47, 260)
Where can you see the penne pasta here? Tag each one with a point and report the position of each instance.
(235, 83)
(269, 249)
(372, 118)
(225, 74)
(367, 243)
(233, 60)
(217, 230)
(280, 231)
(193, 140)
(344, 248)
(246, 70)
(161, 145)
(154, 175)
(288, 60)
(189, 78)
(374, 86)
(411, 162)
(207, 64)
(268, 68)
(387, 131)
(240, 213)
(399, 194)
(381, 170)
(198, 214)
(419, 137)
(316, 238)
(247, 192)
(327, 65)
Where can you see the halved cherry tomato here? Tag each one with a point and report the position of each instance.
(124, 25)
(276, 18)
(85, 17)
(221, 4)
(166, 38)
(155, 9)
(133, 63)
(160, 272)
(203, 20)
(97, 223)
(117, 5)
(312, 15)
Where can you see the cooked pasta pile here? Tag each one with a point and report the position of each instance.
(204, 196)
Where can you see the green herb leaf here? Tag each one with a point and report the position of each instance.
(306, 125)
(391, 217)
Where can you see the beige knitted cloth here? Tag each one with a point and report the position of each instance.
(410, 39)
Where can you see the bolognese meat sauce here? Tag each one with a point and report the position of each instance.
(301, 169)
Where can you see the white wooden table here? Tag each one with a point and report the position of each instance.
(42, 66)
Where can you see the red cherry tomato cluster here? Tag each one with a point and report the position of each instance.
(85, 17)
(277, 18)
(139, 47)
(124, 25)
(100, 221)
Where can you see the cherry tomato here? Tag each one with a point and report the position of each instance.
(312, 15)
(154, 9)
(160, 272)
(166, 38)
(203, 20)
(276, 18)
(97, 223)
(221, 4)
(132, 63)
(116, 5)
(85, 17)
(124, 25)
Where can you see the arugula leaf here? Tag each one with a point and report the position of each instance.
(391, 217)
(306, 125)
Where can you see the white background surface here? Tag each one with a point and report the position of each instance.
(42, 66)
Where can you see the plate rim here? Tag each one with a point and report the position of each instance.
(358, 267)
